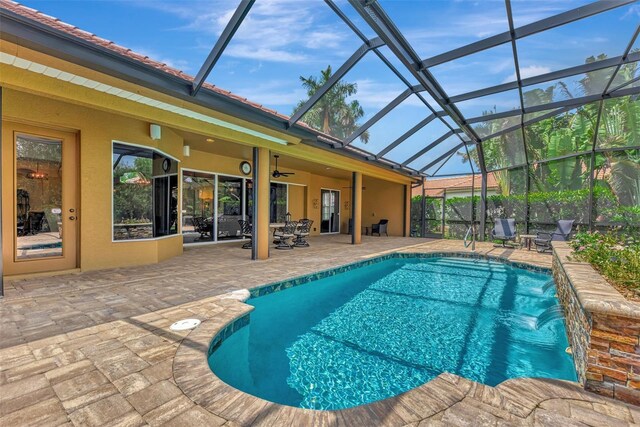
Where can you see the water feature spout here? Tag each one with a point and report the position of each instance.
(549, 285)
(549, 315)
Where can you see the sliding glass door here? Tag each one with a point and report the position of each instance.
(230, 208)
(330, 221)
(197, 206)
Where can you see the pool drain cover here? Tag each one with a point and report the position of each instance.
(185, 324)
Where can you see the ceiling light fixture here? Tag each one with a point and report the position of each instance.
(209, 139)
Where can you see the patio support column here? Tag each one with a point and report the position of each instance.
(1, 248)
(261, 185)
(483, 206)
(407, 210)
(356, 208)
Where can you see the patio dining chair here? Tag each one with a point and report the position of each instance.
(562, 232)
(302, 232)
(504, 230)
(380, 227)
(246, 230)
(284, 234)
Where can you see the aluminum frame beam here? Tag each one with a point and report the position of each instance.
(227, 34)
(513, 128)
(443, 156)
(389, 65)
(378, 20)
(624, 58)
(427, 148)
(406, 135)
(335, 78)
(380, 114)
(526, 30)
(554, 75)
(574, 102)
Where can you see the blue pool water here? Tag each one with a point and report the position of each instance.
(377, 331)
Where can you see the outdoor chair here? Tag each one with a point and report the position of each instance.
(202, 226)
(563, 231)
(380, 227)
(284, 234)
(246, 230)
(301, 234)
(504, 230)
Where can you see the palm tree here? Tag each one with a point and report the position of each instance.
(333, 114)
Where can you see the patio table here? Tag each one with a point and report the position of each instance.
(527, 239)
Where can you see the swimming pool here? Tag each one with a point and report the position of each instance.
(376, 331)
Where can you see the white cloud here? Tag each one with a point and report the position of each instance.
(273, 30)
(530, 71)
(374, 95)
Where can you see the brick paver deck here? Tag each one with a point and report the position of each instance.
(95, 349)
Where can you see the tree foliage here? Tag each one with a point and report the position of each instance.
(334, 114)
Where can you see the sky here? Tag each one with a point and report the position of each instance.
(282, 40)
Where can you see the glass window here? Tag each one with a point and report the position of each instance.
(229, 208)
(197, 206)
(145, 193)
(278, 203)
(38, 197)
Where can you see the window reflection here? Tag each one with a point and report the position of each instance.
(38, 197)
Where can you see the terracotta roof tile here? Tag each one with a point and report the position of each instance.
(121, 50)
(436, 186)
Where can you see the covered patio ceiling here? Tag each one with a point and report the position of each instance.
(440, 80)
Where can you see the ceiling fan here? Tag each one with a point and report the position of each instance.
(276, 173)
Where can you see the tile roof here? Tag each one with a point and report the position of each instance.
(436, 186)
(57, 24)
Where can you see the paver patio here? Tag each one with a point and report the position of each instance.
(95, 348)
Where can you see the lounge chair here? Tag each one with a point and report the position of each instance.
(504, 230)
(284, 234)
(301, 234)
(246, 230)
(380, 227)
(563, 231)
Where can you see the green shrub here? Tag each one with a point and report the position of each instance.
(615, 255)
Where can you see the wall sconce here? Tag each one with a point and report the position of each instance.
(186, 151)
(155, 131)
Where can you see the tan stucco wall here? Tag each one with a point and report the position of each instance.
(383, 199)
(96, 132)
(99, 118)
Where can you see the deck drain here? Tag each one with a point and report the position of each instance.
(185, 324)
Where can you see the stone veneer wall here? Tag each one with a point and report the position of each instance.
(603, 328)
